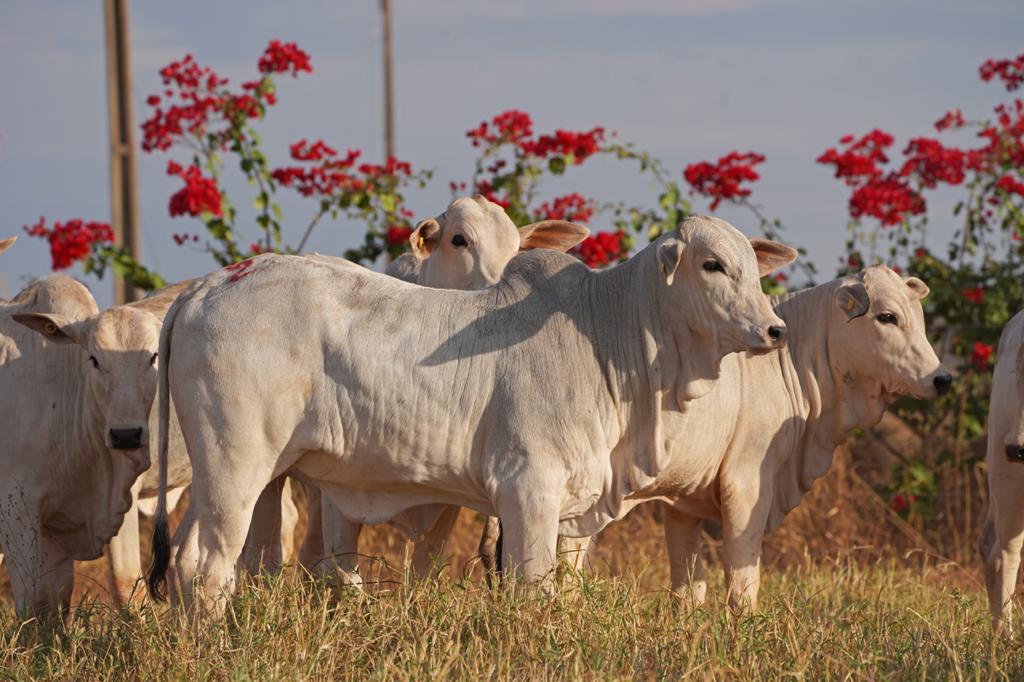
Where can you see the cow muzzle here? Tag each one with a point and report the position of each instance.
(942, 383)
(1015, 453)
(126, 439)
(766, 339)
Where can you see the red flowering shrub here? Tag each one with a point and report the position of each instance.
(72, 240)
(724, 179)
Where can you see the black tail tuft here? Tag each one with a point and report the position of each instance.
(499, 562)
(161, 560)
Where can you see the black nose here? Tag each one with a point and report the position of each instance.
(776, 332)
(942, 383)
(126, 439)
(1015, 453)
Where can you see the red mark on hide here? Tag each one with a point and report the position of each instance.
(239, 270)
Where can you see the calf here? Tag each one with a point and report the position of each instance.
(745, 454)
(546, 390)
(1003, 533)
(76, 386)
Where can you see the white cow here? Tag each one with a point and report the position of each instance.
(1003, 533)
(745, 454)
(521, 400)
(466, 247)
(75, 395)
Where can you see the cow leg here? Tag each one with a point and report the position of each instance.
(289, 520)
(1001, 541)
(744, 518)
(575, 551)
(124, 562)
(682, 538)
(428, 551)
(341, 545)
(312, 554)
(220, 509)
(529, 527)
(263, 549)
(488, 548)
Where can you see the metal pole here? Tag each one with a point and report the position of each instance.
(124, 204)
(389, 82)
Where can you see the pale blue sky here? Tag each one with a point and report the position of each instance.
(685, 79)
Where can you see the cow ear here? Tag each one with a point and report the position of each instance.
(919, 288)
(853, 300)
(7, 243)
(669, 254)
(424, 238)
(771, 255)
(56, 328)
(557, 235)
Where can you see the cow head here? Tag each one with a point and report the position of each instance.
(469, 245)
(118, 377)
(713, 275)
(877, 337)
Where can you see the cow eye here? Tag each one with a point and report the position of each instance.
(94, 361)
(152, 360)
(887, 318)
(459, 240)
(713, 266)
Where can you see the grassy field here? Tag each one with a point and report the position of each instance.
(842, 621)
(851, 590)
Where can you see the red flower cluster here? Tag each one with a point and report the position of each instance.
(579, 145)
(184, 238)
(203, 100)
(877, 193)
(601, 249)
(71, 241)
(199, 195)
(486, 188)
(572, 207)
(284, 58)
(889, 199)
(516, 127)
(724, 179)
(391, 167)
(861, 158)
(981, 355)
(398, 235)
(324, 179)
(952, 119)
(199, 91)
(303, 151)
(508, 126)
(1009, 71)
(975, 295)
(932, 163)
(1010, 185)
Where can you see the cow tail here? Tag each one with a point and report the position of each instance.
(157, 579)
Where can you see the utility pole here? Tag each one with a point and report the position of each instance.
(124, 204)
(389, 82)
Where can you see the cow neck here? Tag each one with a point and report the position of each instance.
(82, 444)
(642, 356)
(832, 401)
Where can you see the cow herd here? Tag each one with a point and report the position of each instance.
(487, 370)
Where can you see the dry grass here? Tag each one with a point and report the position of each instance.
(824, 622)
(852, 590)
